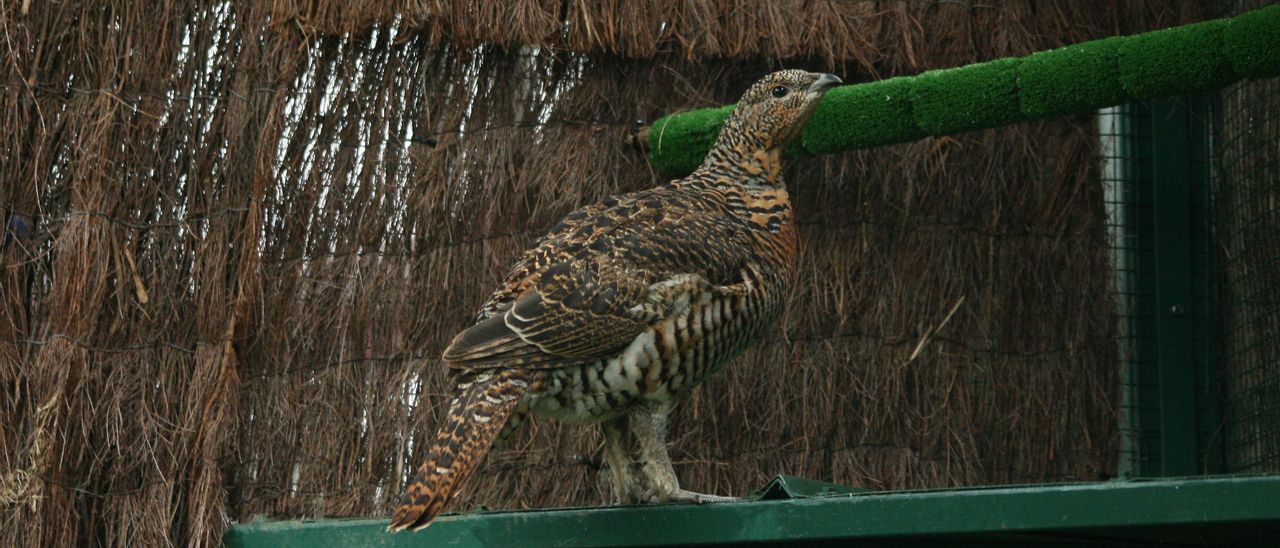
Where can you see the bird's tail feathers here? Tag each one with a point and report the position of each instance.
(476, 417)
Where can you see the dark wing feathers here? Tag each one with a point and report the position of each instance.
(572, 297)
(492, 343)
(583, 314)
(562, 320)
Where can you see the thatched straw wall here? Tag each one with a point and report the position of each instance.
(228, 273)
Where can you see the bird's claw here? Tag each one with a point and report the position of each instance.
(681, 495)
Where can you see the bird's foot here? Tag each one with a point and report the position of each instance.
(680, 495)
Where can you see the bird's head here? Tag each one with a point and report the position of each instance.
(778, 106)
(771, 114)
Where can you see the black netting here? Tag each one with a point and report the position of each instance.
(1246, 196)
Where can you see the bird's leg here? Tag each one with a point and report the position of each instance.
(636, 452)
(618, 459)
(650, 425)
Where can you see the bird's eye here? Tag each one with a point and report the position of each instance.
(780, 91)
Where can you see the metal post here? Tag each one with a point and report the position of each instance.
(1171, 171)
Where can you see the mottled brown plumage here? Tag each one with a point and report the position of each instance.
(629, 303)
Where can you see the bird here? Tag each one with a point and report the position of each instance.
(627, 304)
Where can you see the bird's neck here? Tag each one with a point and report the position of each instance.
(753, 168)
(743, 170)
(764, 209)
(751, 187)
(744, 156)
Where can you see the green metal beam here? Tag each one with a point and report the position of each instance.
(1204, 312)
(1171, 172)
(1231, 509)
(1164, 253)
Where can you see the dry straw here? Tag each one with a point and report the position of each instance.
(228, 272)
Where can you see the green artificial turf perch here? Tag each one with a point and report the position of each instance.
(881, 109)
(1077, 78)
(966, 98)
(1174, 61)
(1071, 79)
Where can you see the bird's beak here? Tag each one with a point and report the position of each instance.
(824, 83)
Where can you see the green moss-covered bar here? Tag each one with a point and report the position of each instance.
(1077, 78)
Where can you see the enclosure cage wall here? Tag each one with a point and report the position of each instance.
(1192, 188)
(238, 235)
(1164, 283)
(1246, 205)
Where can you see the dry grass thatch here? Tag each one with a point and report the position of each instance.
(226, 269)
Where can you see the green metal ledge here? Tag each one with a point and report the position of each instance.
(1221, 511)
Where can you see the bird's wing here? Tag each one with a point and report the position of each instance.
(600, 279)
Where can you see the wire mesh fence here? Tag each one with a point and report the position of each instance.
(1142, 272)
(1231, 149)
(1247, 209)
